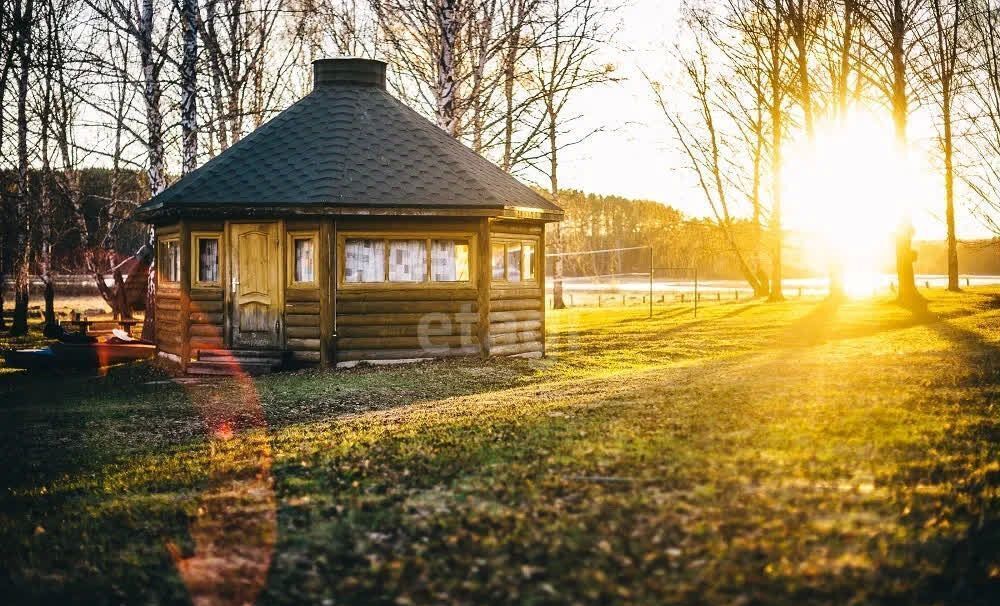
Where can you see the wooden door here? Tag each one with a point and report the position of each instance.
(256, 295)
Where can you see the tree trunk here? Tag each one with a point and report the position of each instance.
(448, 24)
(189, 87)
(22, 221)
(154, 125)
(905, 256)
(949, 194)
(557, 274)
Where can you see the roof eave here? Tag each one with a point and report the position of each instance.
(155, 212)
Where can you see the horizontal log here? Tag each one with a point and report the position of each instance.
(516, 348)
(301, 344)
(510, 338)
(516, 304)
(167, 336)
(504, 229)
(515, 316)
(433, 319)
(168, 304)
(404, 354)
(205, 330)
(506, 327)
(165, 326)
(203, 318)
(306, 356)
(302, 308)
(295, 295)
(405, 330)
(207, 306)
(207, 343)
(173, 348)
(411, 294)
(206, 294)
(302, 332)
(376, 307)
(497, 293)
(414, 343)
(172, 316)
(301, 320)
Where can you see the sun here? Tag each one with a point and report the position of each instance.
(846, 193)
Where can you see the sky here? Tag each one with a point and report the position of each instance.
(633, 154)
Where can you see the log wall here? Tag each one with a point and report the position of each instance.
(517, 310)
(406, 322)
(169, 335)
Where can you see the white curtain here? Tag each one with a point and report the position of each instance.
(449, 261)
(208, 260)
(364, 260)
(304, 265)
(514, 262)
(407, 260)
(529, 261)
(497, 254)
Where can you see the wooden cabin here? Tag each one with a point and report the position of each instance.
(349, 228)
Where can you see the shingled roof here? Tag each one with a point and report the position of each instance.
(349, 144)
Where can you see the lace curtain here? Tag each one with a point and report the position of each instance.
(449, 261)
(407, 260)
(208, 260)
(364, 260)
(304, 263)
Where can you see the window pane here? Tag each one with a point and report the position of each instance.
(171, 261)
(304, 263)
(208, 260)
(364, 260)
(497, 258)
(514, 262)
(449, 261)
(529, 261)
(407, 260)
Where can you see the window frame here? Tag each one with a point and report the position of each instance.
(196, 238)
(162, 244)
(468, 237)
(302, 234)
(505, 240)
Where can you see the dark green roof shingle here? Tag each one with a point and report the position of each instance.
(352, 145)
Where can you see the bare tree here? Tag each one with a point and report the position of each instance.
(565, 63)
(23, 21)
(701, 143)
(943, 50)
(189, 86)
(895, 26)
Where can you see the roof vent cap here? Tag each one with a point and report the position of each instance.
(350, 71)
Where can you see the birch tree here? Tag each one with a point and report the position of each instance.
(23, 22)
(189, 86)
(565, 64)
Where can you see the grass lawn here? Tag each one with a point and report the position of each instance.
(786, 453)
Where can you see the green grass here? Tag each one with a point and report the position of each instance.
(786, 453)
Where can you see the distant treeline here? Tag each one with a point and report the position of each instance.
(106, 200)
(597, 222)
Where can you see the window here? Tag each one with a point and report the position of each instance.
(206, 249)
(514, 260)
(364, 260)
(529, 261)
(170, 260)
(304, 250)
(407, 260)
(499, 268)
(449, 261)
